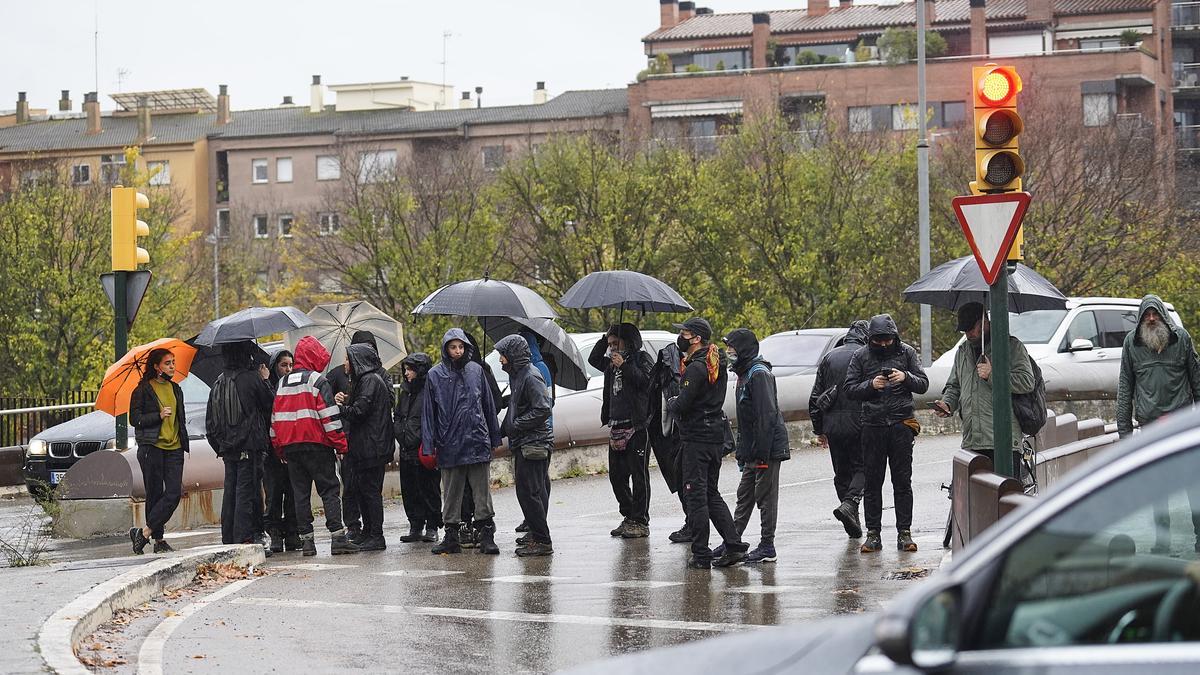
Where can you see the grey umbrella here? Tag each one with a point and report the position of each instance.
(959, 282)
(251, 323)
(570, 369)
(335, 324)
(624, 289)
(486, 297)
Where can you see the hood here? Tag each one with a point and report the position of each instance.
(881, 325)
(274, 379)
(363, 360)
(1156, 303)
(857, 334)
(311, 354)
(535, 353)
(419, 362)
(458, 334)
(516, 349)
(364, 337)
(631, 335)
(745, 344)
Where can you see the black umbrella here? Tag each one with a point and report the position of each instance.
(210, 360)
(626, 290)
(486, 297)
(251, 323)
(959, 282)
(570, 369)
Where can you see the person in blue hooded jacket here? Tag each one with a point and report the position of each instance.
(458, 422)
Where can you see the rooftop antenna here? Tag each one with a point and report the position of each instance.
(122, 73)
(445, 36)
(96, 45)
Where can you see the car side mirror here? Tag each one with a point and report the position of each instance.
(1081, 345)
(925, 633)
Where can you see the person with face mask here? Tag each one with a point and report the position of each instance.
(419, 486)
(530, 434)
(367, 416)
(837, 422)
(884, 375)
(157, 416)
(339, 378)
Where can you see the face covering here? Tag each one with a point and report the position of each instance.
(683, 343)
(878, 351)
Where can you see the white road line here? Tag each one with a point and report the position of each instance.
(489, 615)
(641, 584)
(525, 579)
(418, 574)
(313, 567)
(764, 590)
(150, 656)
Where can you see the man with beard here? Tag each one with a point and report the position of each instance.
(1159, 375)
(884, 375)
(969, 388)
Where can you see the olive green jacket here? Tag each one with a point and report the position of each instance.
(971, 396)
(1153, 384)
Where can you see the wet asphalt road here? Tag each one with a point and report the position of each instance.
(407, 610)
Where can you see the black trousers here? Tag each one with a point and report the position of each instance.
(884, 447)
(421, 490)
(241, 499)
(259, 518)
(701, 476)
(849, 477)
(281, 501)
(368, 481)
(306, 467)
(162, 476)
(350, 508)
(632, 465)
(533, 490)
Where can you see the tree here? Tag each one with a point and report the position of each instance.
(899, 45)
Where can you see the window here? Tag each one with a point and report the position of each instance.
(223, 224)
(493, 157)
(729, 60)
(160, 172)
(258, 170)
(330, 223)
(261, 230)
(110, 168)
(860, 118)
(1102, 570)
(328, 167)
(954, 113)
(1100, 43)
(1114, 325)
(1099, 109)
(81, 174)
(904, 116)
(1009, 45)
(283, 170)
(1082, 326)
(376, 166)
(285, 225)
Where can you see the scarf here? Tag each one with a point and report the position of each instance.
(712, 362)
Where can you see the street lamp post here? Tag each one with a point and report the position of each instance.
(215, 240)
(923, 184)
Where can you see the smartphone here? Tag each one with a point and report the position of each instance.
(886, 372)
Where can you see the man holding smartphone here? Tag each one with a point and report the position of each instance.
(884, 375)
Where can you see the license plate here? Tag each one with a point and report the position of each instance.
(56, 477)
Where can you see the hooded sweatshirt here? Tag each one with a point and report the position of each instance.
(761, 433)
(626, 400)
(1153, 384)
(702, 396)
(894, 403)
(409, 404)
(527, 420)
(843, 419)
(458, 420)
(367, 413)
(304, 416)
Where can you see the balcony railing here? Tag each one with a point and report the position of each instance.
(1186, 75)
(1185, 15)
(1187, 137)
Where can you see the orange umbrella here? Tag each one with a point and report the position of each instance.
(123, 377)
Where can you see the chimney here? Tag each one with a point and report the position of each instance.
(686, 10)
(465, 102)
(143, 117)
(758, 39)
(818, 7)
(22, 108)
(223, 116)
(702, 11)
(931, 13)
(539, 93)
(478, 97)
(64, 103)
(845, 3)
(668, 12)
(1038, 11)
(316, 96)
(287, 101)
(91, 106)
(979, 41)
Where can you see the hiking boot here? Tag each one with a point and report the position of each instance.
(430, 534)
(681, 536)
(636, 531)
(358, 538)
(523, 527)
(620, 530)
(341, 545)
(376, 543)
(847, 513)
(487, 540)
(535, 548)
(872, 543)
(139, 540)
(354, 532)
(292, 542)
(763, 553)
(904, 541)
(730, 558)
(468, 536)
(308, 546)
(276, 541)
(699, 563)
(161, 546)
(450, 543)
(525, 541)
(414, 534)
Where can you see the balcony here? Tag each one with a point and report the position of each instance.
(1186, 77)
(1185, 15)
(1187, 138)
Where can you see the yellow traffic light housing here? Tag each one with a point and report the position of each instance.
(998, 163)
(126, 228)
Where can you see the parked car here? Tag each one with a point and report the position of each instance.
(652, 342)
(1070, 583)
(797, 352)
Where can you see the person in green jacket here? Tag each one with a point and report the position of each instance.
(1160, 373)
(968, 390)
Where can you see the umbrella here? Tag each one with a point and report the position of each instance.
(251, 323)
(123, 377)
(486, 297)
(570, 369)
(210, 360)
(626, 290)
(334, 324)
(959, 282)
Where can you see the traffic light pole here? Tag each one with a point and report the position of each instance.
(1002, 440)
(120, 343)
(923, 186)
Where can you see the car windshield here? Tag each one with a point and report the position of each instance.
(793, 350)
(1036, 327)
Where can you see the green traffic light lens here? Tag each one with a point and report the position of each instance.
(999, 128)
(1001, 169)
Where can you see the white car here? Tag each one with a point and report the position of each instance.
(652, 342)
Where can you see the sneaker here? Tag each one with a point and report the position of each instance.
(718, 551)
(414, 535)
(847, 513)
(764, 553)
(308, 546)
(636, 531)
(341, 545)
(468, 536)
(872, 543)
(904, 541)
(523, 527)
(681, 536)
(373, 544)
(276, 541)
(730, 558)
(358, 538)
(430, 534)
(620, 530)
(292, 543)
(699, 563)
(161, 546)
(524, 541)
(535, 548)
(139, 540)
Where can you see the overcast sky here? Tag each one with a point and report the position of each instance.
(266, 49)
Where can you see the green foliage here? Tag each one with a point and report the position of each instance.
(659, 65)
(807, 58)
(692, 68)
(899, 45)
(777, 55)
(862, 52)
(1131, 37)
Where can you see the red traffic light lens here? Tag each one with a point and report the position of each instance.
(997, 87)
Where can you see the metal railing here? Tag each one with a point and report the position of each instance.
(1187, 137)
(1185, 15)
(23, 417)
(1185, 75)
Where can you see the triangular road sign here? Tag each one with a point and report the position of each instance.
(136, 284)
(991, 223)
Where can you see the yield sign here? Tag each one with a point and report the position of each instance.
(991, 223)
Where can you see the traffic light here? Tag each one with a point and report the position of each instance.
(126, 228)
(998, 164)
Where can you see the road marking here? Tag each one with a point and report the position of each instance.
(150, 656)
(641, 584)
(314, 567)
(418, 574)
(489, 615)
(525, 579)
(764, 590)
(181, 535)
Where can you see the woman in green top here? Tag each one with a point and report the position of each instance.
(157, 415)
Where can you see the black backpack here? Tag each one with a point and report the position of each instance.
(1030, 409)
(225, 415)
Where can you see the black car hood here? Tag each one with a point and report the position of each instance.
(100, 426)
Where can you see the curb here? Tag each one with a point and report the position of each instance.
(58, 636)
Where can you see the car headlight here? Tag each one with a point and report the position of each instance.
(39, 447)
(129, 442)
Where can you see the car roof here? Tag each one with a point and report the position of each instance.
(1079, 302)
(828, 332)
